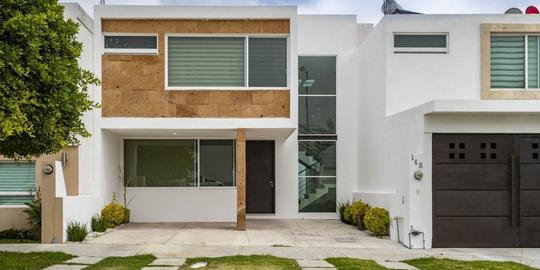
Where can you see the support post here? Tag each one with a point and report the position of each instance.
(241, 179)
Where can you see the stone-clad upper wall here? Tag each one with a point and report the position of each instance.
(134, 85)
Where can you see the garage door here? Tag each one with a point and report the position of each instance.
(486, 190)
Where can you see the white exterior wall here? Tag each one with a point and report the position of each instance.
(414, 79)
(177, 204)
(86, 169)
(400, 108)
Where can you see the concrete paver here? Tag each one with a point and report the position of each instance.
(168, 262)
(295, 239)
(85, 260)
(397, 265)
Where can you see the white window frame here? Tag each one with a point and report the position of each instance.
(246, 62)
(130, 51)
(196, 160)
(421, 50)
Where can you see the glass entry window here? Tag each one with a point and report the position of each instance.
(317, 134)
(178, 163)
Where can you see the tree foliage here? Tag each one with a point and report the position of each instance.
(43, 90)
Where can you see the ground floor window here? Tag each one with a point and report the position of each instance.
(179, 163)
(317, 175)
(17, 181)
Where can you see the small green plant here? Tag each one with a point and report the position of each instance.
(99, 224)
(114, 213)
(358, 211)
(76, 231)
(347, 214)
(377, 221)
(341, 210)
(34, 215)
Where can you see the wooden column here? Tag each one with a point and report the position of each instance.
(241, 179)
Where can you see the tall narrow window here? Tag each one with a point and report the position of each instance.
(317, 134)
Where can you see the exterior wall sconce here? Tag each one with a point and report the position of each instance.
(48, 169)
(418, 175)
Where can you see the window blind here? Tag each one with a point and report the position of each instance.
(206, 61)
(507, 62)
(533, 61)
(267, 62)
(16, 177)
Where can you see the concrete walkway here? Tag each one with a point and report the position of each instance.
(295, 239)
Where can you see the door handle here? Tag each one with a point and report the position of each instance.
(513, 197)
(271, 184)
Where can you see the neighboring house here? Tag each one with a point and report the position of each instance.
(218, 113)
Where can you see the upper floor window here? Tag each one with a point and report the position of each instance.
(131, 43)
(514, 61)
(420, 43)
(510, 61)
(226, 62)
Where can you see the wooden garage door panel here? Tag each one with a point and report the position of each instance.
(530, 203)
(529, 149)
(471, 177)
(529, 230)
(529, 176)
(472, 232)
(472, 203)
(471, 148)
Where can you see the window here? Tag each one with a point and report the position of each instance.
(217, 163)
(226, 62)
(514, 61)
(17, 178)
(128, 43)
(177, 163)
(421, 43)
(317, 88)
(317, 134)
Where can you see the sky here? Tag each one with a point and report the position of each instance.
(367, 11)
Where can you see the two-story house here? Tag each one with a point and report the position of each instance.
(232, 113)
(449, 119)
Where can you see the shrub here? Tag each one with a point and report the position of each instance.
(358, 211)
(341, 210)
(34, 215)
(113, 212)
(76, 232)
(127, 215)
(347, 214)
(99, 224)
(377, 221)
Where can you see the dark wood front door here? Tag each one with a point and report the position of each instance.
(260, 177)
(484, 190)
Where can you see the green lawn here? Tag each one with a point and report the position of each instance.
(447, 264)
(354, 264)
(245, 263)
(123, 263)
(31, 261)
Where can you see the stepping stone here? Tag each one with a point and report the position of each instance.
(66, 267)
(318, 268)
(85, 260)
(314, 264)
(169, 262)
(161, 268)
(397, 265)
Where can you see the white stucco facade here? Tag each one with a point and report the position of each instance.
(388, 107)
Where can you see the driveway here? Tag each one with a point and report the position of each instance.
(295, 239)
